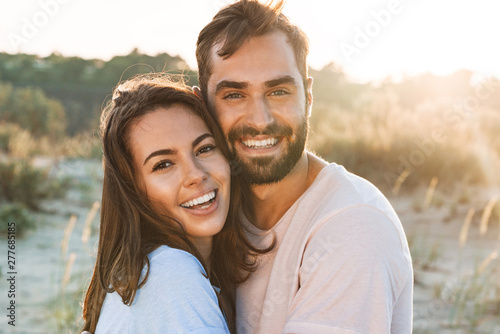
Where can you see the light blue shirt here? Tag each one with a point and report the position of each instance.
(177, 298)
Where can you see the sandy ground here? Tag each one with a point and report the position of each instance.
(440, 280)
(39, 261)
(440, 264)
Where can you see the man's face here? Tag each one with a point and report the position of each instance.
(260, 101)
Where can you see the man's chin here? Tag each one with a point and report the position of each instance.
(265, 170)
(261, 163)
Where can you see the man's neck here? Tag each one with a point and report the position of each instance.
(268, 203)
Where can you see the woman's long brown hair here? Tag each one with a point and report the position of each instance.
(130, 228)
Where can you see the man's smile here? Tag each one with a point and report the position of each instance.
(256, 144)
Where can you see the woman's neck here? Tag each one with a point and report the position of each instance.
(204, 247)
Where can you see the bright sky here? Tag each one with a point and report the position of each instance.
(370, 39)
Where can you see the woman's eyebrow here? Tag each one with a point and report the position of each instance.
(200, 138)
(169, 151)
(166, 151)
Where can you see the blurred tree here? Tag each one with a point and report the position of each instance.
(32, 110)
(66, 69)
(333, 87)
(83, 84)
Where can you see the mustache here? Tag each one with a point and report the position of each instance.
(273, 129)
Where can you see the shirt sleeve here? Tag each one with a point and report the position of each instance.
(353, 271)
(178, 298)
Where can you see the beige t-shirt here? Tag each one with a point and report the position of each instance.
(341, 265)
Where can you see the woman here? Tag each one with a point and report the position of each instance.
(168, 227)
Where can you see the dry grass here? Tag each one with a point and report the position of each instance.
(17, 143)
(67, 307)
(464, 232)
(468, 293)
(389, 143)
(487, 212)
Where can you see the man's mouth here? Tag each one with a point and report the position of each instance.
(202, 202)
(265, 143)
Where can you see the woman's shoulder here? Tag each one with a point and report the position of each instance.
(176, 298)
(174, 262)
(173, 275)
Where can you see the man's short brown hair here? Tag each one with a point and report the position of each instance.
(236, 23)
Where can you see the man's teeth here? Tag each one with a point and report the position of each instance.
(200, 200)
(260, 143)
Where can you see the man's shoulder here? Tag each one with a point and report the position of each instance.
(334, 188)
(338, 193)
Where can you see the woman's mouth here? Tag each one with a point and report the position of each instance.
(202, 202)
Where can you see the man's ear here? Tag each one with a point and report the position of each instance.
(309, 96)
(197, 92)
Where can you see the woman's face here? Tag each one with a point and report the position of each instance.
(181, 170)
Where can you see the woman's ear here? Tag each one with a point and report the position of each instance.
(197, 92)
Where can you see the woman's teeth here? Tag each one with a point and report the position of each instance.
(200, 200)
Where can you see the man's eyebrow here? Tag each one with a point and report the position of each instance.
(287, 79)
(168, 151)
(230, 84)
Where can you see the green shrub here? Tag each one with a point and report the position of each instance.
(7, 130)
(20, 182)
(17, 213)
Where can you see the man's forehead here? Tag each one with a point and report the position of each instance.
(264, 58)
(272, 38)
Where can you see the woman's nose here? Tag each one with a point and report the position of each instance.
(194, 172)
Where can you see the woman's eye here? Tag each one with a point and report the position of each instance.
(162, 165)
(206, 149)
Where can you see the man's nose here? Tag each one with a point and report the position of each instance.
(259, 114)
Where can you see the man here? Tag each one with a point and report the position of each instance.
(341, 262)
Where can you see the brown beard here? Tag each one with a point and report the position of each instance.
(270, 169)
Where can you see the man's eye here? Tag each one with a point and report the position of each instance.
(279, 92)
(232, 96)
(162, 165)
(206, 149)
